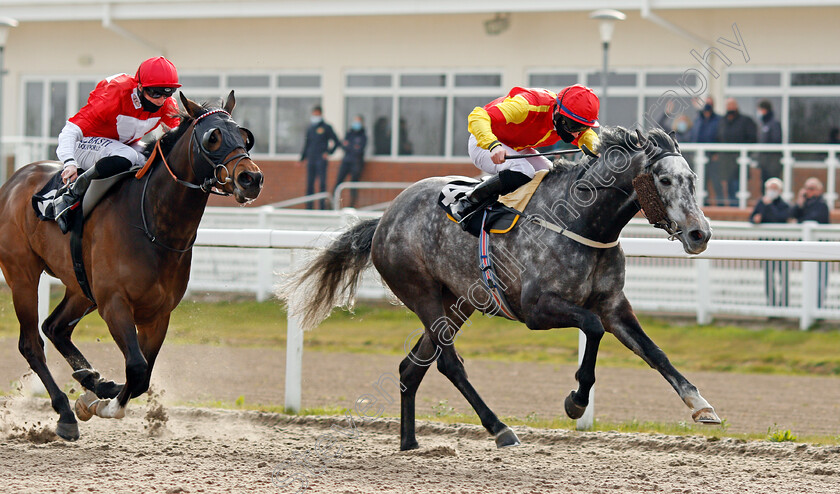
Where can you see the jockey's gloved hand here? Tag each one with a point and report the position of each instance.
(586, 151)
(589, 139)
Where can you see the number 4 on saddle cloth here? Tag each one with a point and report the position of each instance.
(502, 214)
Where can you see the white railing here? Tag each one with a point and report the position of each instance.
(805, 251)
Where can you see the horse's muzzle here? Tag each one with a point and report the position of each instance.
(248, 186)
(696, 240)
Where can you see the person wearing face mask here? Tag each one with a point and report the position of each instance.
(524, 119)
(103, 138)
(769, 132)
(354, 145)
(773, 209)
(682, 128)
(705, 129)
(736, 128)
(321, 141)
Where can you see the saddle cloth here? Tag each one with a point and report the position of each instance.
(96, 191)
(502, 215)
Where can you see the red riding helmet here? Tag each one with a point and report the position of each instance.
(580, 104)
(157, 72)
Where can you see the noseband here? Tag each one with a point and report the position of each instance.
(648, 196)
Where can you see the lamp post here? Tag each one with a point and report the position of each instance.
(5, 24)
(607, 25)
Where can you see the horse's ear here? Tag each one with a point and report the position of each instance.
(230, 103)
(193, 109)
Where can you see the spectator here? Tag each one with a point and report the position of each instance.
(381, 137)
(739, 129)
(316, 148)
(354, 145)
(705, 129)
(769, 132)
(773, 209)
(682, 128)
(811, 206)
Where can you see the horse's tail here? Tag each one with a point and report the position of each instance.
(331, 278)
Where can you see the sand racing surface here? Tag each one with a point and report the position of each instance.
(163, 448)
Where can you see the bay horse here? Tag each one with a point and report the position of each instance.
(137, 251)
(551, 279)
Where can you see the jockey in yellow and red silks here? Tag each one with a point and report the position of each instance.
(516, 123)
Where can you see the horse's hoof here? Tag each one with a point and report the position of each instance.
(409, 446)
(573, 410)
(706, 416)
(506, 438)
(107, 389)
(67, 431)
(83, 406)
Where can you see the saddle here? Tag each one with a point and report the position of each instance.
(502, 215)
(55, 187)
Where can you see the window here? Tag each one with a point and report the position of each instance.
(292, 121)
(418, 113)
(812, 117)
(755, 79)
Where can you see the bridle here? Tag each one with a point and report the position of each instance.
(217, 160)
(647, 195)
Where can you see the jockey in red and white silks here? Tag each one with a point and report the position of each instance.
(119, 112)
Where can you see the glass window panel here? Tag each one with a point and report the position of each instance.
(671, 79)
(423, 80)
(421, 126)
(664, 110)
(58, 107)
(815, 79)
(460, 135)
(190, 81)
(252, 112)
(369, 80)
(613, 79)
(202, 98)
(33, 119)
(311, 81)
(85, 87)
(811, 117)
(619, 110)
(248, 81)
(292, 122)
(748, 105)
(554, 82)
(755, 79)
(478, 80)
(376, 111)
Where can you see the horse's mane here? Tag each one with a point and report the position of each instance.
(168, 140)
(618, 136)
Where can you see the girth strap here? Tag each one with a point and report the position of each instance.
(488, 274)
(572, 235)
(76, 254)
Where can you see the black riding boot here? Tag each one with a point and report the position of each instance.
(505, 182)
(104, 168)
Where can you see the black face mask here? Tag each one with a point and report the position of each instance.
(148, 105)
(562, 127)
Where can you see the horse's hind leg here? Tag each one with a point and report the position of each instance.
(451, 365)
(59, 328)
(412, 369)
(623, 324)
(31, 346)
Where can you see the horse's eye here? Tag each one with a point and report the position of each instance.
(665, 181)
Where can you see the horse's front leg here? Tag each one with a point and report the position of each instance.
(552, 311)
(621, 322)
(117, 314)
(58, 327)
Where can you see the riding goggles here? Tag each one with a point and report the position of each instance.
(159, 92)
(572, 126)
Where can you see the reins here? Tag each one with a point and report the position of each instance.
(207, 186)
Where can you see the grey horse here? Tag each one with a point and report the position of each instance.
(561, 268)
